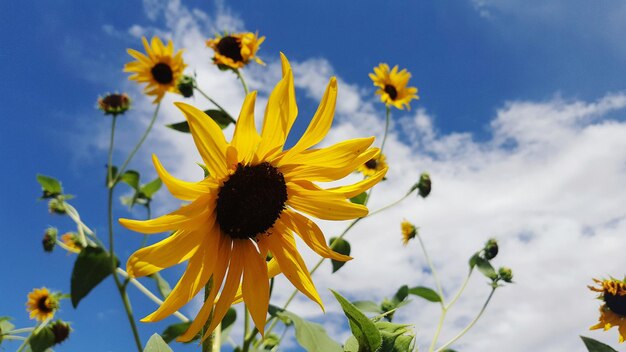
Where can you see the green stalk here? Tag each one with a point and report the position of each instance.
(215, 103)
(243, 82)
(208, 343)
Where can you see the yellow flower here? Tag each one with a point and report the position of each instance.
(392, 86)
(613, 311)
(160, 68)
(252, 203)
(235, 50)
(41, 304)
(71, 242)
(409, 231)
(374, 165)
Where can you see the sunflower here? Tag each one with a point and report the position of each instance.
(114, 104)
(409, 231)
(373, 166)
(71, 242)
(160, 68)
(42, 304)
(235, 50)
(613, 311)
(392, 86)
(251, 204)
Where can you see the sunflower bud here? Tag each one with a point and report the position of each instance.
(270, 341)
(506, 274)
(61, 331)
(56, 206)
(424, 185)
(491, 249)
(49, 239)
(409, 231)
(72, 242)
(185, 86)
(114, 104)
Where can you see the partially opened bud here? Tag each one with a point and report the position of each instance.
(506, 274)
(491, 249)
(185, 86)
(114, 104)
(61, 331)
(424, 185)
(49, 239)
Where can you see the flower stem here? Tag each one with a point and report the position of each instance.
(387, 118)
(432, 270)
(208, 343)
(134, 151)
(461, 289)
(18, 331)
(470, 325)
(215, 103)
(243, 82)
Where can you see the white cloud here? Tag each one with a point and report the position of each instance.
(548, 185)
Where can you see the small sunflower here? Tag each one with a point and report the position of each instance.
(42, 304)
(72, 242)
(374, 165)
(251, 205)
(114, 104)
(236, 50)
(613, 311)
(160, 67)
(409, 231)
(392, 86)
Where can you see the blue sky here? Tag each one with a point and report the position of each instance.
(547, 76)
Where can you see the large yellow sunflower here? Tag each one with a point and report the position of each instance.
(252, 203)
(160, 68)
(236, 50)
(392, 86)
(42, 304)
(613, 311)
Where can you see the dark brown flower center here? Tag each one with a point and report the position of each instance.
(616, 303)
(230, 47)
(391, 91)
(371, 164)
(43, 305)
(162, 73)
(251, 200)
(115, 101)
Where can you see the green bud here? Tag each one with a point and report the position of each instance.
(49, 239)
(386, 306)
(270, 341)
(185, 86)
(424, 186)
(114, 104)
(491, 249)
(506, 274)
(56, 206)
(61, 331)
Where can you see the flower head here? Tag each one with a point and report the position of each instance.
(71, 241)
(114, 104)
(61, 331)
(42, 304)
(160, 68)
(49, 239)
(235, 50)
(392, 86)
(613, 311)
(374, 165)
(409, 231)
(253, 202)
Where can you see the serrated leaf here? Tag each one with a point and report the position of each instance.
(220, 117)
(339, 245)
(150, 188)
(42, 340)
(50, 186)
(180, 126)
(156, 344)
(362, 327)
(92, 265)
(359, 199)
(596, 346)
(426, 293)
(485, 268)
(368, 306)
(131, 178)
(162, 285)
(311, 336)
(401, 295)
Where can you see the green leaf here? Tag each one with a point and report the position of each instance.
(426, 293)
(50, 186)
(448, 350)
(229, 318)
(359, 199)
(156, 344)
(131, 178)
(5, 326)
(596, 346)
(173, 331)
(485, 267)
(395, 338)
(220, 117)
(351, 345)
(150, 188)
(401, 295)
(368, 306)
(339, 245)
(92, 265)
(362, 328)
(180, 126)
(473, 260)
(42, 340)
(311, 336)
(162, 285)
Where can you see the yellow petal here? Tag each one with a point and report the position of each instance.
(321, 173)
(208, 138)
(276, 120)
(310, 234)
(182, 189)
(255, 286)
(272, 270)
(361, 186)
(336, 156)
(323, 204)
(246, 138)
